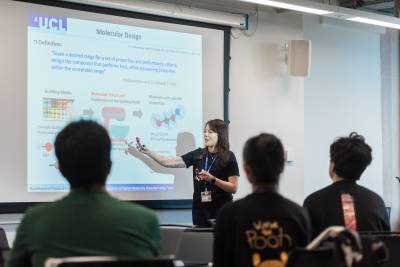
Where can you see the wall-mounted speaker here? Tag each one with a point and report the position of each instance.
(299, 57)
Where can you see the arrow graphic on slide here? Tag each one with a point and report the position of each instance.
(88, 112)
(137, 113)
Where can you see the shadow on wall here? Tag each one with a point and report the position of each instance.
(273, 63)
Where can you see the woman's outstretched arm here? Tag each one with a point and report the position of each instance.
(169, 162)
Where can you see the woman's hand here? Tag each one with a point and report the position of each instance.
(206, 176)
(228, 186)
(139, 147)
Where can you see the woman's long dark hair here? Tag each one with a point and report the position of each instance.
(220, 127)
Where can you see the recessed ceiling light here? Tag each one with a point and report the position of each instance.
(376, 22)
(289, 6)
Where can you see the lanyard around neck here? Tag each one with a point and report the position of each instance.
(206, 167)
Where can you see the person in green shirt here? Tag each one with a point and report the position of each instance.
(88, 221)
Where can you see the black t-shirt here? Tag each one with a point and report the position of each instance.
(325, 207)
(259, 229)
(197, 159)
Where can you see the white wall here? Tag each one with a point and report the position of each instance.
(264, 98)
(391, 118)
(343, 94)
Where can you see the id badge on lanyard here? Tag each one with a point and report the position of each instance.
(206, 195)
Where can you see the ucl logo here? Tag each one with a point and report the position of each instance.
(48, 22)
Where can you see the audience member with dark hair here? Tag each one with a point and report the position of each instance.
(344, 202)
(260, 229)
(88, 221)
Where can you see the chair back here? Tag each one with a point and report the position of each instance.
(3, 240)
(105, 261)
(170, 237)
(336, 246)
(377, 255)
(325, 256)
(196, 246)
(4, 247)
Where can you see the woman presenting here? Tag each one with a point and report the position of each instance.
(215, 171)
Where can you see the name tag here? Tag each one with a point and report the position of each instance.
(206, 196)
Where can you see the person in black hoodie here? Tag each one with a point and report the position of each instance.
(344, 202)
(262, 228)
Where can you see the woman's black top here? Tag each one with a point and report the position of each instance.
(197, 159)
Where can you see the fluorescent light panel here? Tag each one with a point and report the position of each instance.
(289, 6)
(170, 10)
(376, 22)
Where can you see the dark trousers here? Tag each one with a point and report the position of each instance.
(202, 215)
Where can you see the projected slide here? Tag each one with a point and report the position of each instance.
(135, 81)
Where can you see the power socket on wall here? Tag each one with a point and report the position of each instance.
(289, 157)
